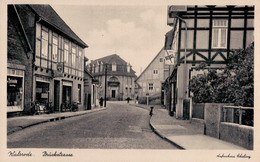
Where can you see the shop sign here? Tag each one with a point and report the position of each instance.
(12, 81)
(59, 71)
(170, 57)
(65, 83)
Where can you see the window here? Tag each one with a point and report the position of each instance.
(128, 68)
(44, 51)
(54, 48)
(150, 86)
(155, 71)
(219, 34)
(114, 66)
(161, 59)
(79, 93)
(66, 53)
(73, 57)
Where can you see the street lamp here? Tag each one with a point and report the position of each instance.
(105, 102)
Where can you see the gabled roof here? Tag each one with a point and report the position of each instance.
(114, 58)
(48, 14)
(149, 64)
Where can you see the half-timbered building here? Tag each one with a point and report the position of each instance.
(57, 61)
(203, 34)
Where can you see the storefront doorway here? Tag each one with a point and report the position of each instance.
(66, 94)
(57, 95)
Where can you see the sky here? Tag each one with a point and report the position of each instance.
(135, 33)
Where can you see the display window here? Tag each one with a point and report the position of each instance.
(42, 92)
(14, 93)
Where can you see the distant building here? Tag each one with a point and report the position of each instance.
(212, 32)
(120, 77)
(152, 78)
(90, 91)
(58, 56)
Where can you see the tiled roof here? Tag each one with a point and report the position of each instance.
(121, 65)
(48, 14)
(114, 58)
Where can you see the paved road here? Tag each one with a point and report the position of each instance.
(121, 126)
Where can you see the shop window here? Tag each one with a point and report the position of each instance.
(219, 34)
(79, 93)
(15, 91)
(42, 92)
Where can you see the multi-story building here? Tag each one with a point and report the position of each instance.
(58, 60)
(120, 77)
(203, 34)
(152, 78)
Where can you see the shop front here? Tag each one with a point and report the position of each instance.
(66, 92)
(15, 90)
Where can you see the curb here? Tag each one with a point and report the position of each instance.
(52, 120)
(156, 131)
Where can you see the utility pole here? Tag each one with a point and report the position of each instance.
(105, 103)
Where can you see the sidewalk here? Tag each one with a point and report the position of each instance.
(15, 124)
(182, 133)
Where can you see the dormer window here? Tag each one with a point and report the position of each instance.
(128, 68)
(101, 66)
(113, 66)
(97, 67)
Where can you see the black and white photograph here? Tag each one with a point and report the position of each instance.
(142, 81)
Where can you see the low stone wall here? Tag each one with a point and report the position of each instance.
(198, 110)
(212, 119)
(241, 135)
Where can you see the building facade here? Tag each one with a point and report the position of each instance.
(118, 76)
(152, 78)
(91, 88)
(203, 34)
(58, 57)
(19, 65)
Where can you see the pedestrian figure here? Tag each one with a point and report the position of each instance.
(101, 101)
(136, 101)
(128, 99)
(151, 111)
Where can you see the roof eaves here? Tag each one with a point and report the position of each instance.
(83, 44)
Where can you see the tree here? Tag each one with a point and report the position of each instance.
(233, 84)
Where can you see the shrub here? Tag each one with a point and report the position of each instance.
(233, 84)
